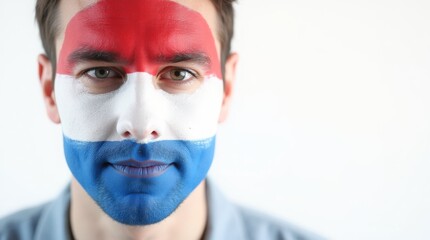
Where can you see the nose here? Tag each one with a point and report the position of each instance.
(140, 111)
(137, 131)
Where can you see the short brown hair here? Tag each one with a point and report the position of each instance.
(47, 11)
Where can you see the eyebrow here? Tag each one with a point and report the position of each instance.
(88, 54)
(196, 57)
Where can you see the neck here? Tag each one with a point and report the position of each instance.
(88, 221)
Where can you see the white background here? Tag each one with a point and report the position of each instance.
(330, 126)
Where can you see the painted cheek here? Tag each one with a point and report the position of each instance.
(85, 117)
(198, 112)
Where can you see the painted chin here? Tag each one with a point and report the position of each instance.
(139, 184)
(135, 169)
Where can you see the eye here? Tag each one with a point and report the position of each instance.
(180, 74)
(179, 80)
(101, 73)
(102, 79)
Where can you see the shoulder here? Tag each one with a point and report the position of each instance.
(47, 221)
(228, 220)
(258, 225)
(22, 224)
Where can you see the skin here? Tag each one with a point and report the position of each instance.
(88, 221)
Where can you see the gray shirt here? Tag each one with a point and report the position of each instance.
(226, 221)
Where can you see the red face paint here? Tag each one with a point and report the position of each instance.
(141, 33)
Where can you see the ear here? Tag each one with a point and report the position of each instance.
(229, 79)
(47, 84)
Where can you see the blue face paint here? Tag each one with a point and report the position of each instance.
(139, 200)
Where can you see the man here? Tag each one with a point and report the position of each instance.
(139, 87)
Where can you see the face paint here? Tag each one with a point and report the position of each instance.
(139, 94)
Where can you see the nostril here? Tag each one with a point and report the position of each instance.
(154, 134)
(126, 134)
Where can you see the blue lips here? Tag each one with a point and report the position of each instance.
(132, 171)
(139, 195)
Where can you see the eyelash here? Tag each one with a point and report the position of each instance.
(120, 73)
(169, 70)
(172, 79)
(110, 69)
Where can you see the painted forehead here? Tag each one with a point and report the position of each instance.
(142, 34)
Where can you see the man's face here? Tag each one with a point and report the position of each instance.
(139, 94)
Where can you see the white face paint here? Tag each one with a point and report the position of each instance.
(138, 107)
